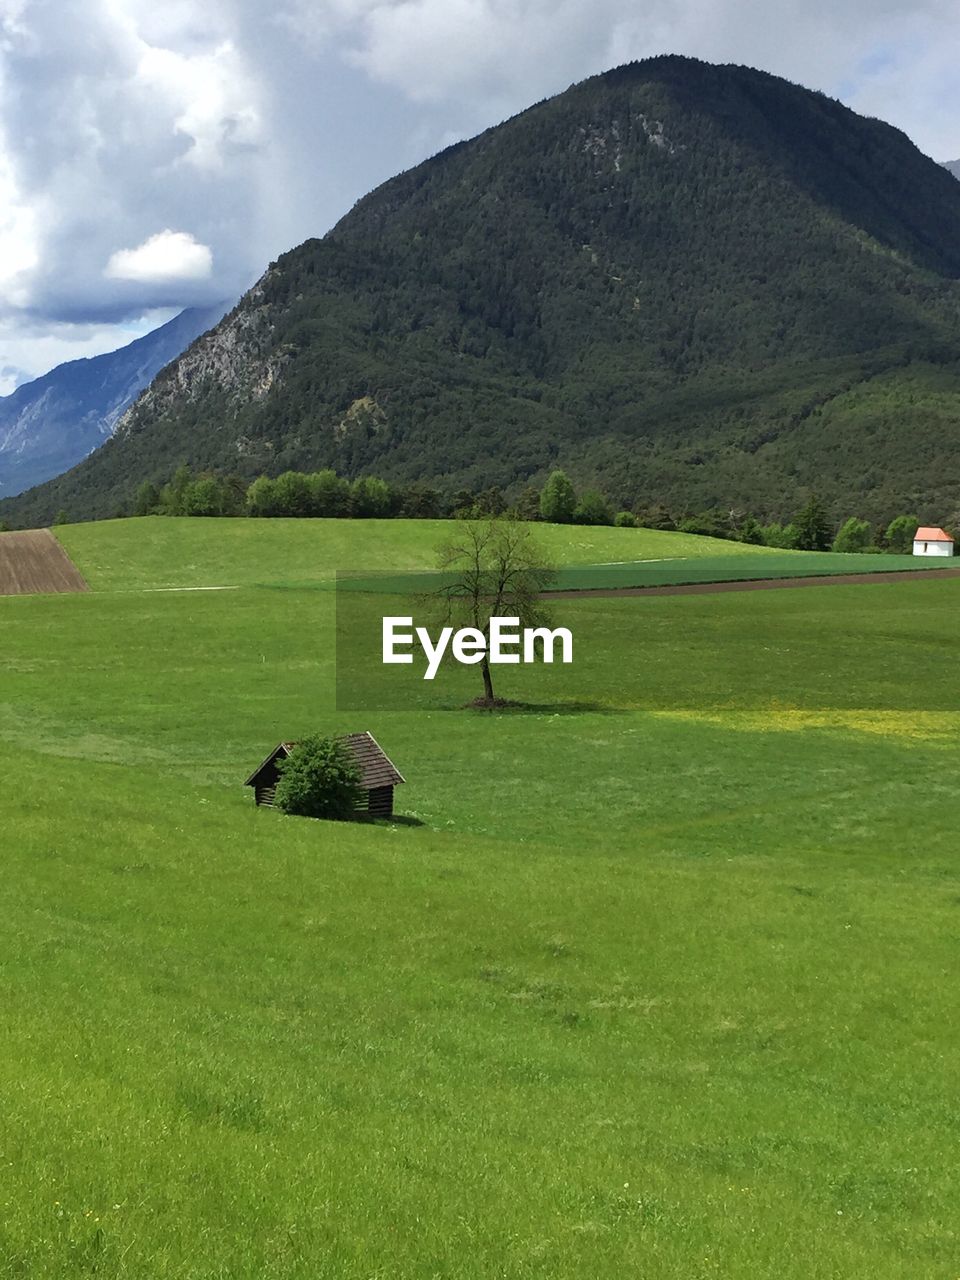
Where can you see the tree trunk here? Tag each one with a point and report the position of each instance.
(487, 682)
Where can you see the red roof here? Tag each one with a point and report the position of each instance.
(931, 534)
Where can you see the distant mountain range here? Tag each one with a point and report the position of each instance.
(954, 167)
(52, 423)
(687, 283)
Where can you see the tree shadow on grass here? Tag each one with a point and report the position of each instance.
(573, 707)
(577, 708)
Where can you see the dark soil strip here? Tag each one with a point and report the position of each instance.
(34, 563)
(759, 584)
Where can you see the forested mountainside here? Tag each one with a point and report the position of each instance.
(49, 424)
(686, 283)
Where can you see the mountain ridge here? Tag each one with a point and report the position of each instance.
(684, 282)
(51, 423)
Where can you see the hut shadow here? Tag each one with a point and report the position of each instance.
(397, 820)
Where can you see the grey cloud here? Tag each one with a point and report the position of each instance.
(248, 127)
(502, 54)
(112, 141)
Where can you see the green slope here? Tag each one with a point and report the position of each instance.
(157, 553)
(160, 551)
(688, 283)
(662, 988)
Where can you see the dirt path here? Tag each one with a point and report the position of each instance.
(758, 584)
(34, 563)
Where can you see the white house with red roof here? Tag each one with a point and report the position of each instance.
(929, 541)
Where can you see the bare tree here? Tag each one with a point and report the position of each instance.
(492, 569)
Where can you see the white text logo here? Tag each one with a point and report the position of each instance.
(507, 644)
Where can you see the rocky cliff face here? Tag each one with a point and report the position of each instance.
(233, 359)
(50, 424)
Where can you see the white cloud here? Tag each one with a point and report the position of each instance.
(501, 51)
(167, 256)
(317, 23)
(208, 97)
(19, 249)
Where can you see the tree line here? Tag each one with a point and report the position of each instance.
(324, 493)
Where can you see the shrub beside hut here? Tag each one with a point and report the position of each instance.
(373, 773)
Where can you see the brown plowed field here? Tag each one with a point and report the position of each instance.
(758, 584)
(34, 563)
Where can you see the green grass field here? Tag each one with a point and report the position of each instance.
(657, 980)
(157, 552)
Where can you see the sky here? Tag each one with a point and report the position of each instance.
(158, 154)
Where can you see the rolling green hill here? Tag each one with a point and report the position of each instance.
(161, 553)
(690, 283)
(655, 979)
(181, 552)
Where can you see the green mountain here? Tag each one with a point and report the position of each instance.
(683, 282)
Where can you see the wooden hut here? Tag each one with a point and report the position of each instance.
(378, 774)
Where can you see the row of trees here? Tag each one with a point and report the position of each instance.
(295, 493)
(324, 493)
(810, 530)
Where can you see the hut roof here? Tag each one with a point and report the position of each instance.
(376, 767)
(931, 534)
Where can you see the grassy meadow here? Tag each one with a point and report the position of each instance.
(655, 978)
(161, 552)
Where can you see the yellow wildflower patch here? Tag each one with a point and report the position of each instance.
(909, 725)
